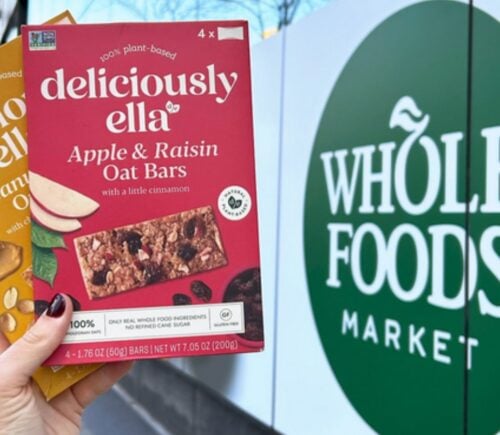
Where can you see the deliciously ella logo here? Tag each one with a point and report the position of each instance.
(142, 104)
(387, 248)
(136, 116)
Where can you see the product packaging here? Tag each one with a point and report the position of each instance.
(17, 304)
(142, 178)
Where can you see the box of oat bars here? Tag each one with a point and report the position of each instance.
(142, 168)
(16, 293)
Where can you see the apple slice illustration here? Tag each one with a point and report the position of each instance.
(52, 222)
(59, 199)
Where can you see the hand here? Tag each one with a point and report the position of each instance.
(23, 409)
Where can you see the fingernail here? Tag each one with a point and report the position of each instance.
(57, 306)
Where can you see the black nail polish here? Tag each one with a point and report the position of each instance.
(57, 306)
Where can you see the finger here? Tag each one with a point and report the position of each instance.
(23, 357)
(89, 388)
(4, 343)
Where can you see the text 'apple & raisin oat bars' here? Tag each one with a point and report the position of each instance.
(137, 255)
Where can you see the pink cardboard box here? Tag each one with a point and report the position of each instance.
(142, 180)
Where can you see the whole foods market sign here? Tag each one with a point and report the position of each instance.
(385, 234)
(393, 165)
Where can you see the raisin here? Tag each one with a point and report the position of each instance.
(139, 264)
(41, 306)
(245, 287)
(249, 275)
(257, 309)
(181, 299)
(190, 228)
(240, 297)
(249, 314)
(99, 277)
(253, 311)
(200, 228)
(194, 227)
(186, 251)
(76, 305)
(201, 290)
(152, 272)
(133, 240)
(248, 287)
(253, 331)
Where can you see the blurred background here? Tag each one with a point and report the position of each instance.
(266, 17)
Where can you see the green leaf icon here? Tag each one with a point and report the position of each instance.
(44, 238)
(44, 264)
(234, 203)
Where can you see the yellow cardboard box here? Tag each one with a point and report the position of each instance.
(16, 292)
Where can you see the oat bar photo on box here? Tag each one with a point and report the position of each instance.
(161, 249)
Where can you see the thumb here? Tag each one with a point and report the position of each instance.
(27, 354)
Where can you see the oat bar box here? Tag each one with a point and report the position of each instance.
(17, 305)
(142, 177)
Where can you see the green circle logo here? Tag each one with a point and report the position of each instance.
(394, 210)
